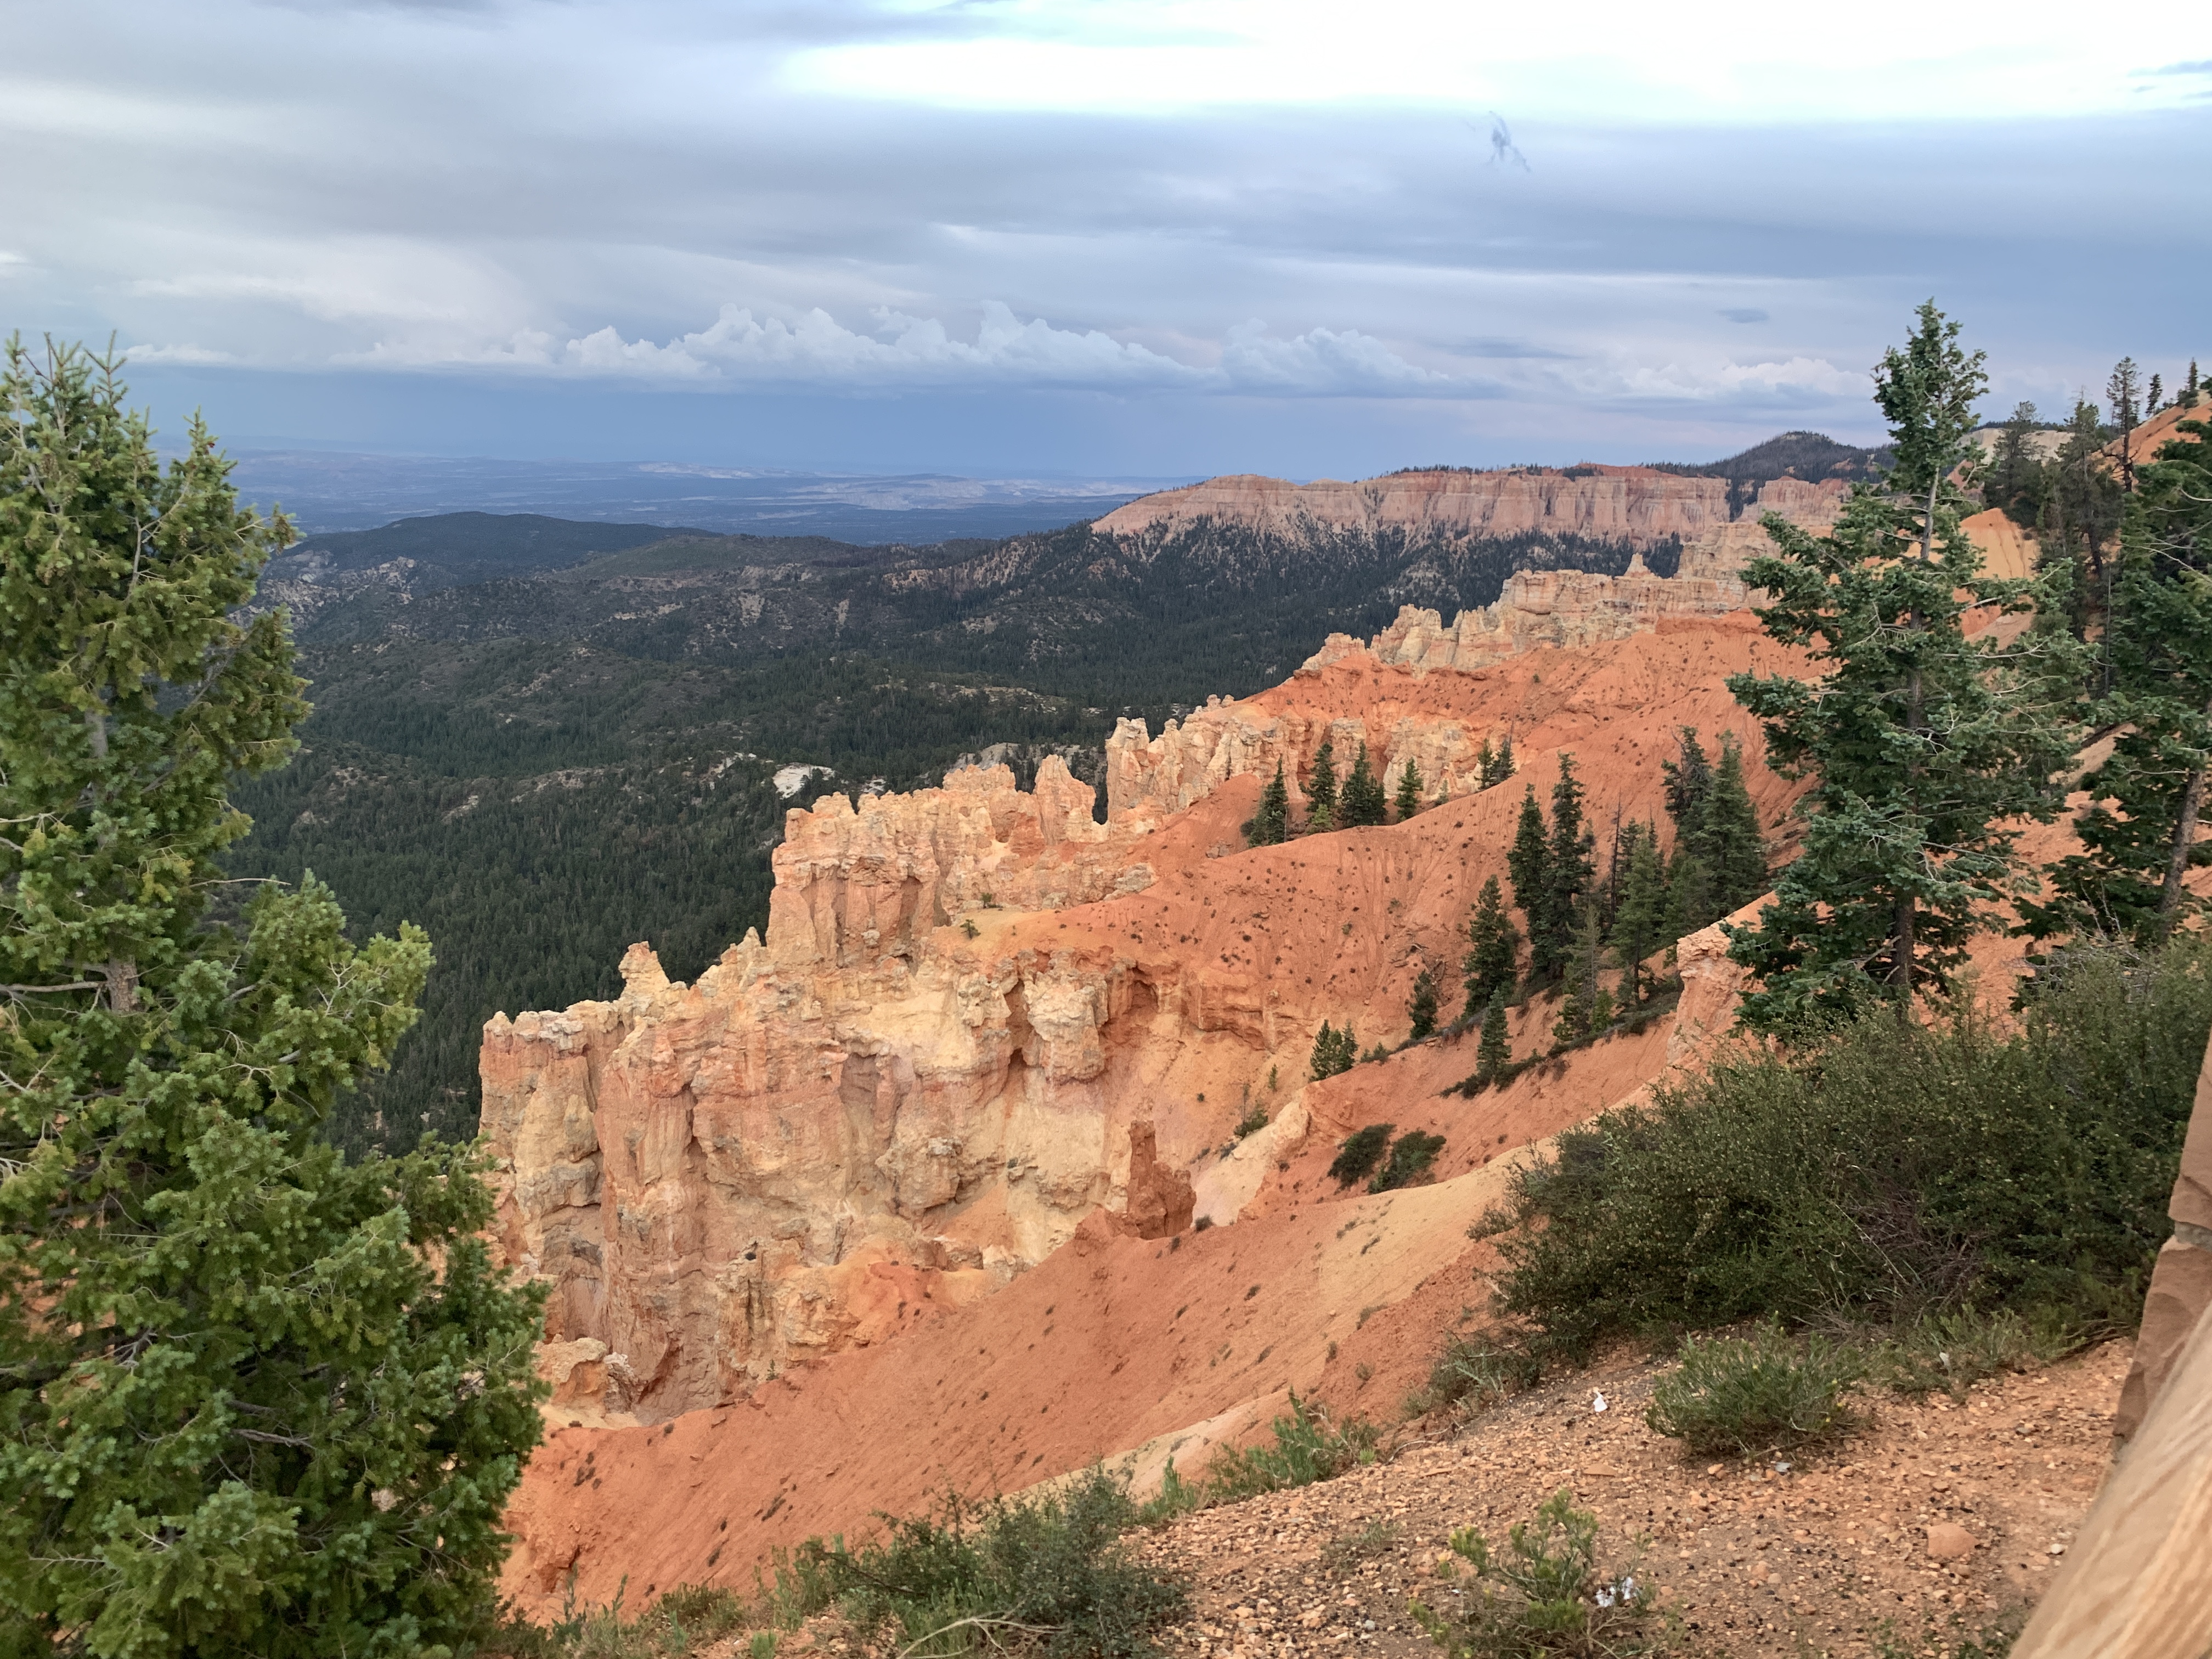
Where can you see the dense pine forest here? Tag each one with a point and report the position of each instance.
(543, 742)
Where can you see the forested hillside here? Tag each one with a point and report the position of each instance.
(545, 741)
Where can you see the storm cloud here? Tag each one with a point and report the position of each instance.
(1106, 236)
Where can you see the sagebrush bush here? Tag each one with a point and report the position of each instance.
(1472, 1372)
(1756, 1394)
(1409, 1159)
(1885, 1173)
(1953, 1350)
(1543, 1596)
(1308, 1447)
(1046, 1573)
(1360, 1153)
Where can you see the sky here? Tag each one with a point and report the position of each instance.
(1105, 237)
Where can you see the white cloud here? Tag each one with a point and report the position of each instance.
(814, 348)
(184, 352)
(1796, 380)
(1624, 61)
(1322, 362)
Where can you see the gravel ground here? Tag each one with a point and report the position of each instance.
(1817, 1554)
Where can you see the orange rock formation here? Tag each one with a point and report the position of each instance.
(1637, 505)
(976, 1008)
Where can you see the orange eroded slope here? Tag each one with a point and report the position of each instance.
(1233, 958)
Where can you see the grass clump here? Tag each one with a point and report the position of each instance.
(1409, 1159)
(1309, 1446)
(680, 1622)
(1543, 1596)
(1755, 1394)
(1472, 1373)
(1358, 1153)
(1880, 1174)
(1953, 1350)
(1046, 1574)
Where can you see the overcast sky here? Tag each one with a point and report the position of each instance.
(1094, 236)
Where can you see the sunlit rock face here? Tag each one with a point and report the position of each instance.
(980, 1016)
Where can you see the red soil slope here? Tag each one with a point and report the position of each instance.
(1114, 1343)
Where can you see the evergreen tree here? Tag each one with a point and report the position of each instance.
(1334, 1052)
(256, 1401)
(1691, 900)
(2122, 392)
(2081, 511)
(1422, 1009)
(2015, 481)
(1569, 869)
(1728, 841)
(1270, 825)
(1639, 926)
(1494, 1052)
(1588, 1007)
(1927, 747)
(2139, 829)
(1493, 766)
(1528, 863)
(1363, 803)
(1409, 790)
(1620, 848)
(1320, 788)
(1689, 780)
(1495, 947)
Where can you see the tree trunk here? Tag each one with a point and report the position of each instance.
(2184, 843)
(1906, 927)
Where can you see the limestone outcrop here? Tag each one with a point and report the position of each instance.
(1635, 505)
(1558, 609)
(832, 1131)
(980, 1017)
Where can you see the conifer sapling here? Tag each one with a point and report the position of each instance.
(1421, 1010)
(1409, 790)
(1320, 788)
(1494, 950)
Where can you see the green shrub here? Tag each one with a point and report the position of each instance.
(1308, 1448)
(1542, 1596)
(1334, 1051)
(1953, 1350)
(1474, 1372)
(1755, 1394)
(1411, 1155)
(1882, 1174)
(684, 1619)
(1046, 1573)
(1252, 1122)
(1358, 1153)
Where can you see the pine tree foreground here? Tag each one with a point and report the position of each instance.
(1928, 747)
(253, 1401)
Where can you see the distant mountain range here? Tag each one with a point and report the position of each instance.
(326, 490)
(545, 738)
